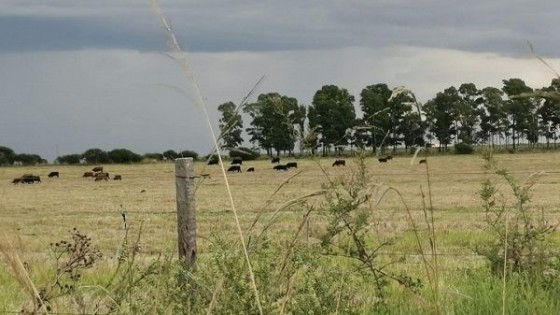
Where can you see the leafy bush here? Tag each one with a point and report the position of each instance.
(463, 148)
(124, 156)
(69, 159)
(95, 156)
(188, 153)
(244, 153)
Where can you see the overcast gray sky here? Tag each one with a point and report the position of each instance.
(80, 74)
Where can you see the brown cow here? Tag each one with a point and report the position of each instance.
(117, 177)
(97, 169)
(16, 181)
(88, 174)
(101, 176)
(423, 161)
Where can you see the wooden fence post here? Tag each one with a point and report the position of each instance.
(186, 210)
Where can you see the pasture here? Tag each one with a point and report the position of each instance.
(34, 215)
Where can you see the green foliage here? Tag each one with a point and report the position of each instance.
(29, 159)
(171, 155)
(231, 125)
(245, 154)
(463, 148)
(124, 156)
(69, 159)
(7, 156)
(521, 242)
(96, 156)
(188, 153)
(275, 119)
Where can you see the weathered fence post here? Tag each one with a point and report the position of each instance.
(186, 210)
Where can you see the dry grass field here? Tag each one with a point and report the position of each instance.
(34, 215)
(42, 213)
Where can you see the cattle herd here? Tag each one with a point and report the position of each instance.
(96, 173)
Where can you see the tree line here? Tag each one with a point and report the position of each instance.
(393, 118)
(91, 156)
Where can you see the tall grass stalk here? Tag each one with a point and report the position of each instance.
(181, 58)
(505, 267)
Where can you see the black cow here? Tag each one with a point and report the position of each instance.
(234, 168)
(30, 179)
(280, 167)
(423, 161)
(97, 169)
(53, 174)
(251, 169)
(339, 163)
(16, 181)
(117, 177)
(276, 160)
(382, 160)
(291, 165)
(237, 161)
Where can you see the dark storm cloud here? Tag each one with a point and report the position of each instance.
(217, 26)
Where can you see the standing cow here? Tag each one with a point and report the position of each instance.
(276, 160)
(237, 161)
(339, 163)
(291, 165)
(54, 174)
(234, 168)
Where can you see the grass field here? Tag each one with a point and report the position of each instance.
(34, 215)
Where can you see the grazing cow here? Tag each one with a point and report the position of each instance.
(291, 165)
(16, 181)
(53, 174)
(101, 176)
(30, 179)
(251, 169)
(423, 161)
(234, 168)
(117, 177)
(276, 160)
(280, 167)
(382, 160)
(339, 163)
(97, 169)
(88, 174)
(237, 161)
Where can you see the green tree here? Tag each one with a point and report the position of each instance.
(124, 156)
(231, 125)
(274, 118)
(440, 115)
(549, 111)
(467, 113)
(332, 113)
(493, 119)
(171, 155)
(7, 156)
(520, 111)
(29, 159)
(69, 159)
(95, 156)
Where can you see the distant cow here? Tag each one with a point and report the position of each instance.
(237, 161)
(251, 169)
(117, 177)
(276, 160)
(339, 163)
(280, 167)
(88, 174)
(101, 176)
(97, 169)
(16, 181)
(30, 179)
(54, 174)
(423, 161)
(382, 160)
(291, 165)
(234, 168)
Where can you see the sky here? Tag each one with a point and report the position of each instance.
(81, 74)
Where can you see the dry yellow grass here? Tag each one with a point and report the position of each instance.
(43, 213)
